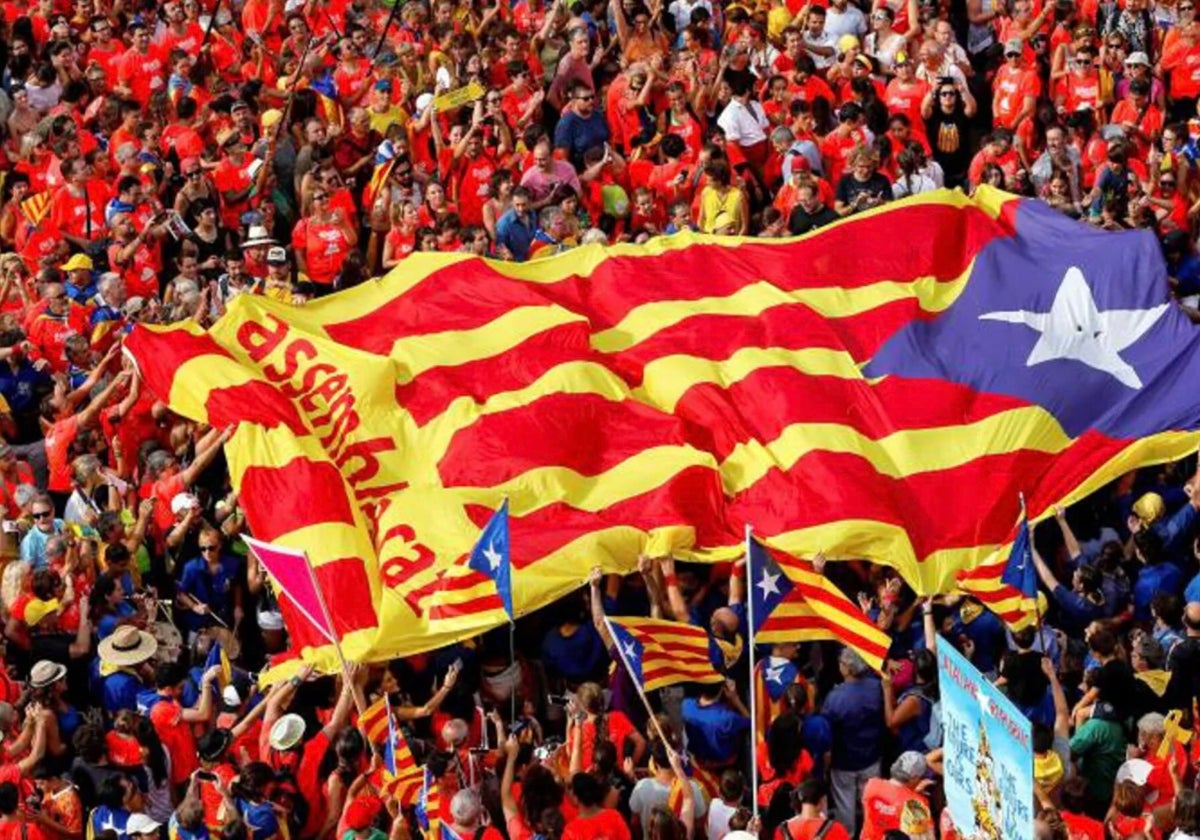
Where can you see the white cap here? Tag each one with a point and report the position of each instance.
(182, 502)
(1136, 770)
(141, 824)
(424, 101)
(270, 620)
(230, 696)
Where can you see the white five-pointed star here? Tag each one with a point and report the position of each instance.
(631, 652)
(769, 584)
(775, 674)
(109, 824)
(493, 557)
(1075, 329)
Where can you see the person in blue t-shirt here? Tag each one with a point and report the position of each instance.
(1156, 575)
(716, 724)
(855, 711)
(207, 587)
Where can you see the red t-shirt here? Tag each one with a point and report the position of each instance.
(163, 491)
(606, 825)
(229, 177)
(472, 178)
(324, 246)
(58, 446)
(177, 738)
(142, 73)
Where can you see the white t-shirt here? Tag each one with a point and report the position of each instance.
(823, 62)
(649, 793)
(848, 22)
(744, 124)
(718, 818)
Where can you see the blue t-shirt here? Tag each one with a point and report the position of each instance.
(1151, 580)
(259, 818)
(575, 134)
(212, 588)
(714, 732)
(576, 657)
(121, 692)
(855, 711)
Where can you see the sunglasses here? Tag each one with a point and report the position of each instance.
(1166, 183)
(42, 514)
(587, 98)
(208, 548)
(320, 197)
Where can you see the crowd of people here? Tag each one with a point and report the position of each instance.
(161, 158)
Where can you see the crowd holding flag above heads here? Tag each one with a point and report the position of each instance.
(599, 420)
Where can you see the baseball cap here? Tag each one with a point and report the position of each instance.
(1136, 58)
(277, 256)
(141, 824)
(909, 767)
(1014, 46)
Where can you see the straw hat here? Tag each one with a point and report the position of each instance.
(286, 732)
(128, 646)
(45, 673)
(258, 235)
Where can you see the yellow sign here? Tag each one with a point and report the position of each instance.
(452, 99)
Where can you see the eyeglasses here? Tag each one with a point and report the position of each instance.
(208, 548)
(1166, 183)
(587, 97)
(42, 514)
(946, 94)
(320, 197)
(195, 173)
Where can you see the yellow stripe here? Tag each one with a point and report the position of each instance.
(901, 454)
(751, 301)
(667, 379)
(419, 353)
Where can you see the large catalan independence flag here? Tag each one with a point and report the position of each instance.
(883, 389)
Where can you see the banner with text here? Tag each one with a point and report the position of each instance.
(988, 754)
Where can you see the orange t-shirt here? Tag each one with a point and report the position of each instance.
(177, 738)
(1011, 87)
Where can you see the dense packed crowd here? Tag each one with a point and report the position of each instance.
(161, 158)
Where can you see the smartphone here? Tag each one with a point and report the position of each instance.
(205, 776)
(557, 699)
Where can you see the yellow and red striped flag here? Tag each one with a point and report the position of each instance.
(36, 206)
(1007, 583)
(853, 391)
(792, 602)
(658, 653)
(374, 721)
(405, 788)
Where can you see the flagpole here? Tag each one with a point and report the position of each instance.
(337, 644)
(753, 680)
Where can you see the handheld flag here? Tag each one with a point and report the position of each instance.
(429, 805)
(294, 576)
(792, 602)
(374, 721)
(405, 788)
(397, 757)
(218, 657)
(1008, 586)
(492, 556)
(660, 653)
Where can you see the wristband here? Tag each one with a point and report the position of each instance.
(670, 580)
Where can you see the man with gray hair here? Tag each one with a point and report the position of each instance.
(468, 815)
(855, 712)
(897, 803)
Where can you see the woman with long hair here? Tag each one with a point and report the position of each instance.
(157, 762)
(910, 715)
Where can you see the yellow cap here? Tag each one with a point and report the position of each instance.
(1149, 509)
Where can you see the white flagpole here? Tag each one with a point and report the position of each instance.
(753, 680)
(637, 685)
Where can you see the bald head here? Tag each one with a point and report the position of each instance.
(1191, 618)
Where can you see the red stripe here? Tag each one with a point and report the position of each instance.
(935, 514)
(255, 401)
(583, 432)
(267, 493)
(444, 610)
(432, 392)
(159, 355)
(693, 496)
(762, 405)
(470, 294)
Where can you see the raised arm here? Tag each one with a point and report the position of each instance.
(1060, 516)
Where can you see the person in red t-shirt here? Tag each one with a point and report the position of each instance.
(1015, 89)
(169, 481)
(141, 70)
(811, 819)
(471, 172)
(322, 241)
(594, 821)
(173, 722)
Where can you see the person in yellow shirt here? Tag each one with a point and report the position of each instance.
(381, 109)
